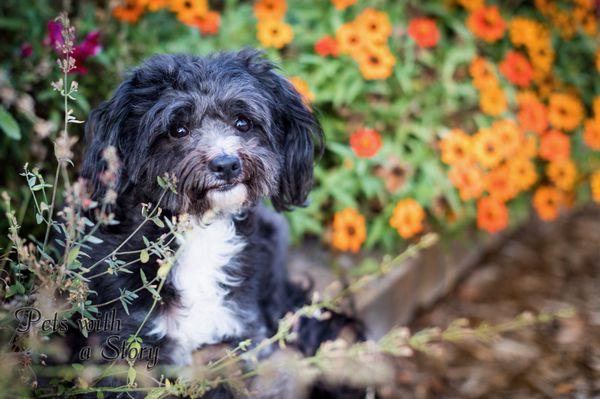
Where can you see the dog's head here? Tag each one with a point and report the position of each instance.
(229, 127)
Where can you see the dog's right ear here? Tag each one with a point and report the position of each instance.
(102, 130)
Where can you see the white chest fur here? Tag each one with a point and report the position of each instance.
(198, 277)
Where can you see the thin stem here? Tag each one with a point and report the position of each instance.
(51, 210)
(146, 219)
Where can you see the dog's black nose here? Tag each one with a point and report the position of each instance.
(226, 167)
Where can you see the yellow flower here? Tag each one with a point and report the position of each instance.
(376, 62)
(595, 185)
(408, 218)
(471, 5)
(522, 172)
(188, 10)
(349, 39)
(274, 33)
(302, 87)
(562, 173)
(374, 25)
(565, 111)
(523, 31)
(492, 101)
(509, 135)
(343, 4)
(487, 148)
(455, 147)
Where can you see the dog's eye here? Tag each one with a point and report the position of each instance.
(243, 124)
(179, 131)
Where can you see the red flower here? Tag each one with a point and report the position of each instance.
(517, 69)
(88, 47)
(486, 23)
(208, 24)
(424, 32)
(327, 46)
(365, 142)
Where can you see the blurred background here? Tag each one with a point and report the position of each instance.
(476, 120)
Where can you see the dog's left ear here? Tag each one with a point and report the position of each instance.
(299, 132)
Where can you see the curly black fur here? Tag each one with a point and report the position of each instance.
(206, 95)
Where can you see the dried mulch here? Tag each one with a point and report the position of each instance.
(539, 268)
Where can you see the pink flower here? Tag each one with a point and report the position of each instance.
(26, 50)
(88, 47)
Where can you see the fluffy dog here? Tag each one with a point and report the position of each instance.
(233, 132)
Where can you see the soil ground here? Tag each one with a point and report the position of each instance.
(541, 267)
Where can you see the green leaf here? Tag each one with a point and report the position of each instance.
(73, 253)
(144, 256)
(131, 374)
(9, 125)
(158, 222)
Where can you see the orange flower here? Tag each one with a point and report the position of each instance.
(482, 73)
(555, 146)
(130, 11)
(525, 96)
(376, 62)
(565, 111)
(522, 172)
(595, 186)
(547, 201)
(302, 87)
(499, 184)
(596, 106)
(407, 218)
(424, 32)
(471, 5)
(270, 9)
(492, 101)
(541, 55)
(591, 133)
(209, 23)
(343, 4)
(374, 25)
(468, 178)
(455, 146)
(188, 10)
(492, 215)
(274, 33)
(487, 148)
(509, 136)
(349, 230)
(349, 39)
(523, 31)
(365, 142)
(327, 45)
(486, 23)
(562, 173)
(517, 69)
(155, 5)
(528, 147)
(533, 116)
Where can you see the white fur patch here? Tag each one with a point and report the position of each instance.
(204, 317)
(227, 201)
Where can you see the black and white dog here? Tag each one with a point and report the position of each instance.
(233, 132)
